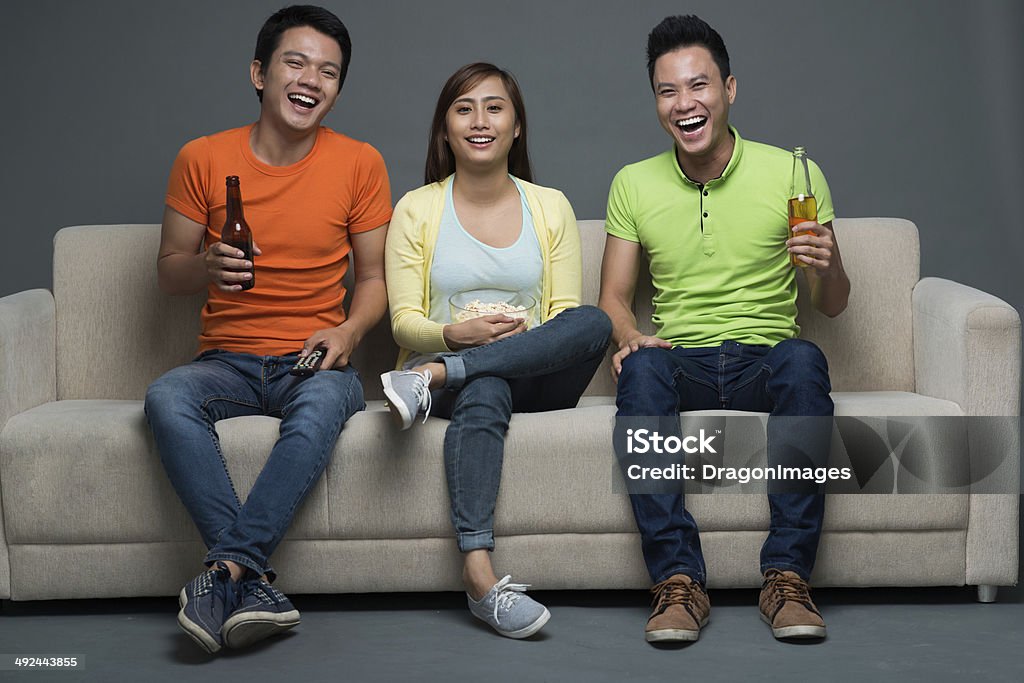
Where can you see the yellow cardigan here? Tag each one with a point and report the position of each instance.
(412, 236)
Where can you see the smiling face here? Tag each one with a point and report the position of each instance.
(481, 125)
(300, 82)
(693, 105)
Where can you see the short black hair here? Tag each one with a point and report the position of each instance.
(682, 31)
(294, 17)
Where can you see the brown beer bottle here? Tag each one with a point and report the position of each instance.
(236, 232)
(802, 204)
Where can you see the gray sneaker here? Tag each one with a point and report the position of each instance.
(509, 611)
(408, 394)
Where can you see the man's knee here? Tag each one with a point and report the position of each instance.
(647, 363)
(334, 390)
(800, 355)
(166, 393)
(799, 378)
(647, 384)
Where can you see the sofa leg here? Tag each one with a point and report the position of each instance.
(987, 593)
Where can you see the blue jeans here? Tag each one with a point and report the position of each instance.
(182, 407)
(788, 379)
(545, 368)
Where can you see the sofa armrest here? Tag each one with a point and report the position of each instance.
(28, 371)
(966, 347)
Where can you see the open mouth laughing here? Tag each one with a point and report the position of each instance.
(480, 139)
(692, 126)
(303, 101)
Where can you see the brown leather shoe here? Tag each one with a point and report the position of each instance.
(680, 608)
(786, 606)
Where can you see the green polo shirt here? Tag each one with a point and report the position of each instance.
(717, 252)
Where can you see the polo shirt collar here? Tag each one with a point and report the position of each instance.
(737, 152)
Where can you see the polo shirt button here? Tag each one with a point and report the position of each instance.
(705, 193)
(705, 214)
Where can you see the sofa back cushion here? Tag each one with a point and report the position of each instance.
(116, 332)
(869, 346)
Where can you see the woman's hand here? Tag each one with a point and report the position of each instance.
(482, 330)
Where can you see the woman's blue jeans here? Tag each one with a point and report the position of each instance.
(789, 379)
(182, 407)
(545, 368)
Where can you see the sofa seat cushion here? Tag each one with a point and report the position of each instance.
(895, 403)
(556, 477)
(86, 471)
(856, 403)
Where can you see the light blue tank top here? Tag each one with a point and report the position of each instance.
(462, 263)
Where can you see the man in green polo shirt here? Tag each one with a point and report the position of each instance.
(711, 214)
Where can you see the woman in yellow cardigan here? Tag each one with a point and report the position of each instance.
(479, 223)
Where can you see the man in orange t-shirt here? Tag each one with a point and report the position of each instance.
(311, 196)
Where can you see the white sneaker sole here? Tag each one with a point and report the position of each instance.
(395, 404)
(523, 632)
(799, 631)
(244, 630)
(669, 635)
(194, 630)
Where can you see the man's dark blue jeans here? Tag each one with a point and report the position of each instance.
(182, 407)
(788, 379)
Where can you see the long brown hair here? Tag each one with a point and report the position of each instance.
(440, 161)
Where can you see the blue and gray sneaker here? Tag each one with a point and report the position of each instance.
(408, 394)
(205, 602)
(265, 611)
(509, 611)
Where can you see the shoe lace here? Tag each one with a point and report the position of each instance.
(676, 591)
(785, 588)
(508, 594)
(421, 386)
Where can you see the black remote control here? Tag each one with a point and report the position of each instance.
(310, 363)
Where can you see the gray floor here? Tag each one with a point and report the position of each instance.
(876, 635)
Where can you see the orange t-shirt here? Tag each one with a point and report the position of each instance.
(300, 215)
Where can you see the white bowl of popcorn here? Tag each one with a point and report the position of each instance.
(477, 303)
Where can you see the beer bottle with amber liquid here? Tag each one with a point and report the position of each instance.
(236, 232)
(802, 204)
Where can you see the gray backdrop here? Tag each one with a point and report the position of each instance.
(913, 109)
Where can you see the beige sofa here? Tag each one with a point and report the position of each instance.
(88, 512)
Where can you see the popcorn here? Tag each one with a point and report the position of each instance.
(477, 308)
